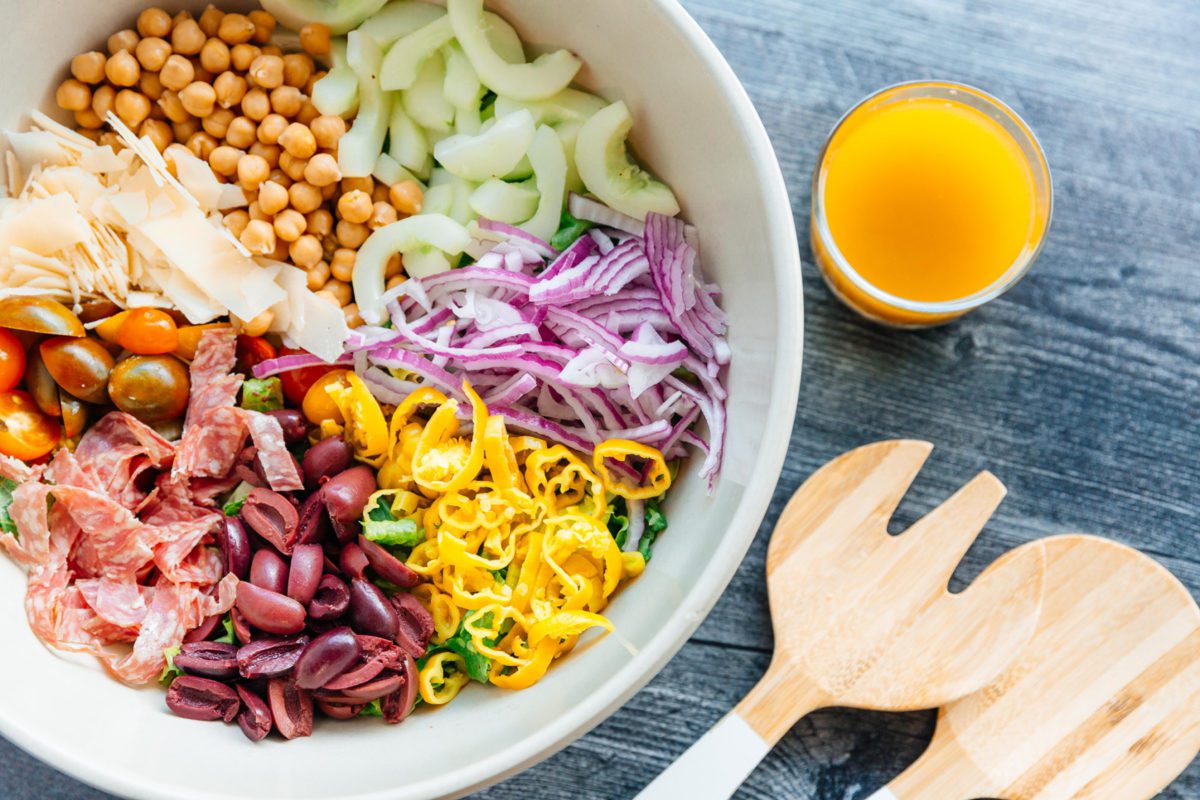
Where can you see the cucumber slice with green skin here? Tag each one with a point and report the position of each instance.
(522, 171)
(339, 15)
(505, 202)
(438, 199)
(418, 232)
(400, 18)
(337, 93)
(550, 173)
(490, 154)
(359, 149)
(462, 88)
(406, 57)
(607, 172)
(460, 210)
(568, 134)
(406, 140)
(388, 171)
(425, 101)
(425, 263)
(569, 105)
(504, 38)
(542, 78)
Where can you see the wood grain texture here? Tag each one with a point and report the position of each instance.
(1080, 388)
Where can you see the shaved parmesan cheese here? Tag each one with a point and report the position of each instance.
(312, 323)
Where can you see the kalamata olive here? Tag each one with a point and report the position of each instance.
(235, 547)
(74, 414)
(241, 628)
(209, 659)
(366, 692)
(387, 566)
(353, 561)
(337, 710)
(331, 600)
(326, 657)
(399, 704)
(203, 699)
(255, 718)
(270, 658)
(273, 517)
(80, 367)
(39, 315)
(325, 459)
(270, 611)
(203, 630)
(304, 576)
(295, 427)
(314, 522)
(41, 384)
(415, 624)
(151, 388)
(269, 571)
(370, 610)
(291, 706)
(377, 655)
(345, 496)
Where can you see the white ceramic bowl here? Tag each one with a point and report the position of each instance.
(696, 127)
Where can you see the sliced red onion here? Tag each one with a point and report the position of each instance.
(583, 247)
(387, 388)
(510, 233)
(275, 366)
(398, 358)
(511, 391)
(600, 214)
(637, 524)
(532, 423)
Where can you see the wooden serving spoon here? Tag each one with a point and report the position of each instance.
(1104, 702)
(863, 618)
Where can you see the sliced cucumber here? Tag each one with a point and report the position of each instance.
(337, 93)
(545, 77)
(568, 134)
(505, 202)
(406, 57)
(608, 173)
(339, 15)
(417, 232)
(388, 171)
(406, 140)
(490, 154)
(521, 171)
(504, 38)
(550, 172)
(462, 88)
(425, 100)
(359, 149)
(399, 18)
(438, 199)
(569, 105)
(424, 262)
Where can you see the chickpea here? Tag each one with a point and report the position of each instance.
(366, 185)
(122, 40)
(131, 107)
(110, 139)
(281, 177)
(258, 237)
(180, 17)
(214, 56)
(322, 170)
(156, 111)
(159, 132)
(154, 22)
(202, 75)
(122, 69)
(320, 222)
(287, 100)
(90, 133)
(210, 20)
(267, 71)
(198, 98)
(342, 264)
(252, 170)
(240, 132)
(304, 196)
(382, 214)
(88, 119)
(202, 146)
(312, 82)
(260, 324)
(352, 234)
(341, 292)
(216, 124)
(297, 69)
(236, 29)
(173, 153)
(73, 95)
(272, 50)
(281, 250)
(186, 129)
(172, 106)
(290, 224)
(353, 318)
(231, 89)
(177, 72)
(331, 192)
(243, 55)
(255, 105)
(264, 26)
(152, 53)
(294, 167)
(224, 160)
(187, 39)
(407, 197)
(317, 276)
(150, 85)
(272, 199)
(395, 281)
(298, 140)
(236, 221)
(272, 126)
(328, 130)
(103, 100)
(315, 39)
(380, 193)
(306, 251)
(270, 152)
(307, 113)
(354, 206)
(393, 266)
(89, 67)
(255, 209)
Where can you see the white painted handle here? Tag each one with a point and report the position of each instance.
(714, 767)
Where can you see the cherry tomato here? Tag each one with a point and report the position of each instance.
(297, 382)
(148, 332)
(189, 338)
(25, 432)
(252, 350)
(12, 360)
(111, 326)
(41, 386)
(318, 406)
(79, 366)
(39, 315)
(151, 388)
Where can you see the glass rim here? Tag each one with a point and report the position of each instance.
(1009, 278)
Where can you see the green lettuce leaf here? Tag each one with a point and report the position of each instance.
(656, 523)
(237, 499)
(478, 664)
(6, 522)
(170, 671)
(382, 527)
(569, 229)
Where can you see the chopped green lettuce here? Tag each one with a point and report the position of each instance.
(237, 499)
(478, 664)
(170, 671)
(371, 709)
(262, 394)
(6, 522)
(382, 527)
(569, 229)
(656, 523)
(228, 637)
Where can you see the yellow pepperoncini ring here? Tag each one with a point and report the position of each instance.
(442, 677)
(566, 624)
(365, 427)
(498, 455)
(658, 479)
(443, 463)
(527, 674)
(632, 564)
(446, 617)
(562, 480)
(524, 445)
(425, 396)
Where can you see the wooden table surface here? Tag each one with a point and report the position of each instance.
(1080, 388)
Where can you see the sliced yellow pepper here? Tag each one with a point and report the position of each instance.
(365, 427)
(442, 677)
(443, 463)
(658, 480)
(562, 480)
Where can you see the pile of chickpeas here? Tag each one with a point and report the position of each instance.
(217, 86)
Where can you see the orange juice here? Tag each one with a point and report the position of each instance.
(925, 203)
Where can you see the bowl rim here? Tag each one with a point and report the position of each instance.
(710, 584)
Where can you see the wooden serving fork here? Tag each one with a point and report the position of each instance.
(863, 618)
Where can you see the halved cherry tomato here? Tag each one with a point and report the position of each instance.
(151, 388)
(252, 350)
(297, 382)
(12, 360)
(25, 432)
(318, 406)
(111, 326)
(148, 332)
(189, 338)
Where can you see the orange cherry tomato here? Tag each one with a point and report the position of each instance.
(148, 332)
(12, 360)
(25, 432)
(318, 406)
(189, 338)
(111, 326)
(252, 350)
(297, 382)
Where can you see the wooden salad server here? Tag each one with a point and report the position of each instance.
(1103, 703)
(863, 618)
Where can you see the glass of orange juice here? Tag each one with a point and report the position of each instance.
(929, 199)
